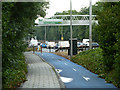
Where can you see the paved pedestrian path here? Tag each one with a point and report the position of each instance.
(40, 74)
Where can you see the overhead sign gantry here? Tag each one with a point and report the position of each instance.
(64, 20)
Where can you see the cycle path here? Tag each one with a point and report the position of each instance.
(74, 75)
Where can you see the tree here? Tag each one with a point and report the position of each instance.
(17, 22)
(109, 39)
(79, 32)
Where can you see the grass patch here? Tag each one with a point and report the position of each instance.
(63, 54)
(91, 59)
(29, 49)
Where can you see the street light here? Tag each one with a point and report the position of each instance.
(71, 52)
(90, 26)
(45, 33)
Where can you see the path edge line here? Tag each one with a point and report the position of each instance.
(62, 85)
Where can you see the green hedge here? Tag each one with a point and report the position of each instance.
(18, 20)
(109, 39)
(16, 74)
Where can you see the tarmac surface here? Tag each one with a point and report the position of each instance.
(74, 75)
(40, 74)
(47, 70)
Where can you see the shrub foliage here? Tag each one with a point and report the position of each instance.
(17, 22)
(109, 38)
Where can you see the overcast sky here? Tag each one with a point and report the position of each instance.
(64, 5)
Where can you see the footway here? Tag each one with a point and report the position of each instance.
(40, 74)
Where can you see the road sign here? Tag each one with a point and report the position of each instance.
(52, 22)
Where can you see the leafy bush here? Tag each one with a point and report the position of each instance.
(17, 22)
(109, 39)
(13, 76)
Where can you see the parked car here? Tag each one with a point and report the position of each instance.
(79, 44)
(57, 46)
(95, 44)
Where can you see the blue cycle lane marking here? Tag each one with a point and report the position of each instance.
(74, 75)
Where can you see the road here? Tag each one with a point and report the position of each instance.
(73, 75)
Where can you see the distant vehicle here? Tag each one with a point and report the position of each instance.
(63, 44)
(57, 46)
(95, 44)
(51, 44)
(44, 45)
(86, 42)
(80, 44)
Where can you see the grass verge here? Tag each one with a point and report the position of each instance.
(93, 61)
(29, 49)
(63, 54)
(90, 59)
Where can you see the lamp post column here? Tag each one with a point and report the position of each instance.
(90, 26)
(71, 48)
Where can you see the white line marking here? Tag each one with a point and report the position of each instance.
(86, 78)
(58, 70)
(66, 80)
(65, 63)
(74, 69)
